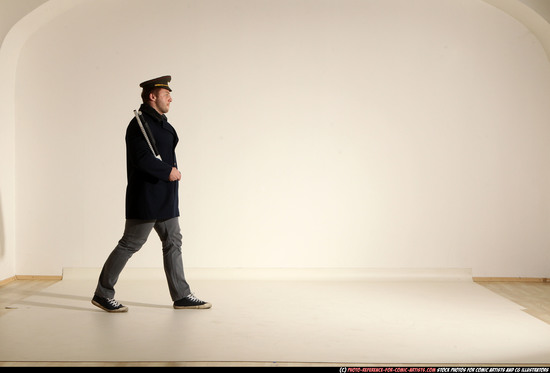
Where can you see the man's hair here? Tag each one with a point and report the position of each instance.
(147, 91)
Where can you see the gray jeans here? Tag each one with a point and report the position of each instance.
(135, 235)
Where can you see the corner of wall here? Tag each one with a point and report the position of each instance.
(529, 17)
(9, 56)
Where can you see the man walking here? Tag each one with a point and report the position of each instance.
(151, 201)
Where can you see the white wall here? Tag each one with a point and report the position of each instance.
(368, 133)
(15, 27)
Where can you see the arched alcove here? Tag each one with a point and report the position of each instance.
(368, 134)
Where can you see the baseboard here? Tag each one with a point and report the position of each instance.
(511, 279)
(29, 277)
(34, 277)
(7, 280)
(475, 279)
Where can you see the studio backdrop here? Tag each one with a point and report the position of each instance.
(313, 134)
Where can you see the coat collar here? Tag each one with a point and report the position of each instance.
(144, 108)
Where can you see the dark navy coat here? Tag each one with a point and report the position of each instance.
(149, 194)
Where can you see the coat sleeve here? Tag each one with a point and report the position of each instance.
(140, 155)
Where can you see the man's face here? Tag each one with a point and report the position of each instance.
(161, 100)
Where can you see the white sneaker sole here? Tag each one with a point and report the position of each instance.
(202, 306)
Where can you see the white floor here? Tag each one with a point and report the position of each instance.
(266, 318)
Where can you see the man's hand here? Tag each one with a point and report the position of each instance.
(175, 175)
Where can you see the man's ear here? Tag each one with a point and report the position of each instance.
(152, 97)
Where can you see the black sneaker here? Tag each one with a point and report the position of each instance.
(191, 301)
(108, 304)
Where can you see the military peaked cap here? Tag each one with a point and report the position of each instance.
(161, 82)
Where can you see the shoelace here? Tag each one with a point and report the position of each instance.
(193, 298)
(113, 302)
